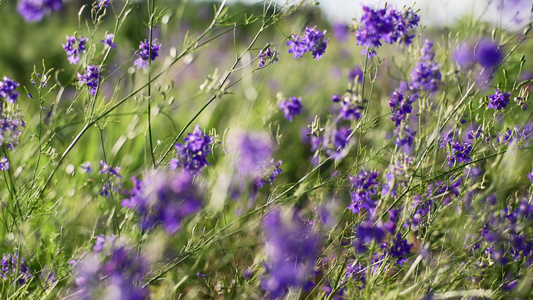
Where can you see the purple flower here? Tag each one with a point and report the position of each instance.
(90, 79)
(14, 269)
(101, 3)
(253, 150)
(7, 90)
(292, 247)
(291, 107)
(426, 75)
(384, 24)
(108, 40)
(165, 199)
(364, 187)
(336, 98)
(341, 31)
(311, 41)
(10, 131)
(499, 100)
(399, 249)
(272, 171)
(460, 152)
(113, 268)
(4, 164)
(464, 55)
(355, 73)
(35, 10)
(487, 53)
(336, 141)
(400, 106)
(106, 169)
(86, 167)
(75, 47)
(267, 55)
(192, 154)
(145, 55)
(367, 232)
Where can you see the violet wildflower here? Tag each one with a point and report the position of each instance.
(355, 73)
(487, 53)
(292, 247)
(14, 268)
(499, 100)
(350, 110)
(530, 176)
(253, 150)
(165, 199)
(113, 269)
(400, 107)
(267, 55)
(336, 141)
(101, 4)
(107, 169)
(7, 90)
(460, 152)
(291, 107)
(364, 186)
(192, 154)
(399, 249)
(4, 164)
(272, 171)
(341, 31)
(404, 137)
(86, 167)
(464, 55)
(367, 232)
(10, 131)
(146, 53)
(90, 79)
(312, 41)
(426, 75)
(36, 10)
(108, 40)
(385, 24)
(336, 98)
(75, 47)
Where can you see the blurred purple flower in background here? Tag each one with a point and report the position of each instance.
(341, 31)
(487, 53)
(426, 75)
(292, 246)
(36, 10)
(164, 198)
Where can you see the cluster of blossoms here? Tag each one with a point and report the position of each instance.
(388, 25)
(113, 270)
(267, 55)
(336, 142)
(164, 198)
(271, 171)
(426, 74)
(400, 106)
(14, 268)
(292, 247)
(101, 3)
(364, 186)
(112, 181)
(36, 10)
(351, 105)
(90, 79)
(499, 100)
(192, 154)
(7, 90)
(291, 107)
(146, 53)
(312, 41)
(75, 47)
(519, 134)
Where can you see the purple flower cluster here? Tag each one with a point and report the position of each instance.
(112, 269)
(253, 150)
(108, 40)
(7, 90)
(460, 150)
(364, 186)
(311, 41)
(292, 247)
(336, 141)
(400, 106)
(75, 47)
(426, 75)
(398, 249)
(192, 154)
(36, 10)
(165, 199)
(4, 164)
(101, 3)
(90, 79)
(267, 55)
(499, 100)
(146, 53)
(14, 268)
(388, 25)
(10, 131)
(291, 107)
(272, 170)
